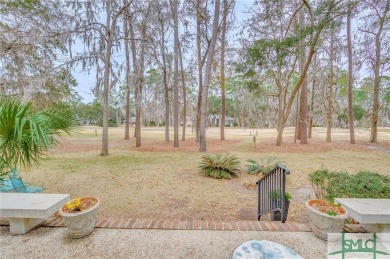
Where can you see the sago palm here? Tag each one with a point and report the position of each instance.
(26, 134)
(219, 167)
(265, 165)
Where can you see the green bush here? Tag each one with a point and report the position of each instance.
(288, 196)
(265, 165)
(275, 195)
(220, 167)
(253, 167)
(362, 185)
(330, 185)
(319, 181)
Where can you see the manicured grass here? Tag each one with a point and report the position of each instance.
(160, 182)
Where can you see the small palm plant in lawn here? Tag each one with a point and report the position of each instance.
(253, 167)
(265, 165)
(25, 134)
(220, 167)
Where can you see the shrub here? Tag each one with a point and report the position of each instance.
(330, 185)
(319, 182)
(253, 167)
(217, 166)
(362, 185)
(265, 165)
(275, 195)
(288, 196)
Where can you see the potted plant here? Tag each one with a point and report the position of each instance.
(275, 197)
(26, 134)
(79, 215)
(325, 217)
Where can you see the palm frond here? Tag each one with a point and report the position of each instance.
(265, 165)
(253, 167)
(26, 134)
(220, 167)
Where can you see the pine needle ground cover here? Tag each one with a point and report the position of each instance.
(157, 181)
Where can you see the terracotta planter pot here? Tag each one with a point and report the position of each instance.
(321, 223)
(80, 224)
(276, 215)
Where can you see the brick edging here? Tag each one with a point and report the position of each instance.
(131, 223)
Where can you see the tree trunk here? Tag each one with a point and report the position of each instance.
(312, 107)
(138, 116)
(127, 53)
(139, 87)
(26, 96)
(106, 82)
(280, 126)
(134, 57)
(329, 116)
(297, 134)
(350, 79)
(282, 119)
(210, 57)
(137, 79)
(375, 108)
(118, 116)
(176, 77)
(183, 136)
(223, 94)
(287, 109)
(200, 67)
(165, 79)
(303, 95)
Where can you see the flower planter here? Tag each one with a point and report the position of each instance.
(276, 215)
(322, 223)
(80, 223)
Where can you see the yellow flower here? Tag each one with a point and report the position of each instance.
(74, 205)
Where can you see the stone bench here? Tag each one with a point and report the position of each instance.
(372, 214)
(27, 210)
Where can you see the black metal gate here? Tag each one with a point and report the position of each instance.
(271, 192)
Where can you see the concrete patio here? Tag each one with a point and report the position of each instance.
(52, 242)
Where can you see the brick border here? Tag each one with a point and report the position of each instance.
(131, 223)
(220, 225)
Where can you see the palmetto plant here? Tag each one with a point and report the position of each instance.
(218, 166)
(265, 165)
(253, 167)
(26, 134)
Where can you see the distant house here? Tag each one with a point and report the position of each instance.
(86, 122)
(132, 120)
(214, 120)
(229, 121)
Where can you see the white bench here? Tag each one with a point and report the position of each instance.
(27, 210)
(372, 214)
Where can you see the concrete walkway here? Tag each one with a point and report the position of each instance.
(49, 242)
